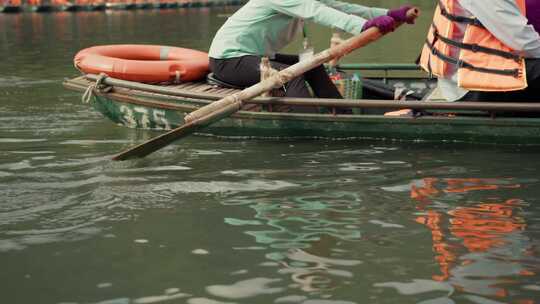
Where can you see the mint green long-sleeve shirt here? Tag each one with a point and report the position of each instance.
(263, 27)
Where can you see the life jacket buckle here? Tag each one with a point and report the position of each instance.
(519, 56)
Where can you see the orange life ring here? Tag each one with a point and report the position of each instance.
(143, 63)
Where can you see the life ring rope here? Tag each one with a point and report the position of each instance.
(99, 85)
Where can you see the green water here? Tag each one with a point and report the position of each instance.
(209, 221)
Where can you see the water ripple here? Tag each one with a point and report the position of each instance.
(245, 289)
(20, 82)
(417, 286)
(223, 187)
(21, 140)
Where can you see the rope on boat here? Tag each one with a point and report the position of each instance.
(99, 86)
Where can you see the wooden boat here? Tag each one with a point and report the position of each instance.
(70, 7)
(115, 5)
(8, 7)
(41, 8)
(97, 6)
(146, 106)
(160, 5)
(130, 5)
(77, 5)
(143, 4)
(171, 4)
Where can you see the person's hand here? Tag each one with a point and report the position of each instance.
(385, 24)
(400, 14)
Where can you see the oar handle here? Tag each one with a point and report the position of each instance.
(413, 13)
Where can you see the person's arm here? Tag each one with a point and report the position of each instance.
(319, 13)
(504, 20)
(356, 9)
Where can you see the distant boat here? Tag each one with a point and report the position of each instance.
(97, 6)
(40, 6)
(70, 7)
(143, 4)
(13, 6)
(115, 5)
(171, 4)
(159, 5)
(65, 5)
(10, 7)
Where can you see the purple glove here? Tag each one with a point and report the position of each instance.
(400, 14)
(385, 24)
(533, 14)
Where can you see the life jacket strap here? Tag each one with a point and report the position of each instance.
(475, 47)
(463, 64)
(459, 19)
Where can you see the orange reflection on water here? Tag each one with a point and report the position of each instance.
(482, 226)
(481, 229)
(445, 257)
(429, 186)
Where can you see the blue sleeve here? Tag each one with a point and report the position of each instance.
(319, 13)
(356, 9)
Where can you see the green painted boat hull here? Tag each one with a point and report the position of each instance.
(137, 107)
(522, 131)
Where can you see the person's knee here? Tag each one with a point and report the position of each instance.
(298, 82)
(319, 69)
(317, 72)
(297, 88)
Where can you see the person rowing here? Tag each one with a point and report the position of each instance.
(261, 28)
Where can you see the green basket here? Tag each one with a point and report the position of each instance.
(349, 87)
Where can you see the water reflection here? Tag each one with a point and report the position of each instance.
(311, 272)
(479, 237)
(305, 231)
(481, 247)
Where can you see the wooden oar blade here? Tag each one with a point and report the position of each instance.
(158, 142)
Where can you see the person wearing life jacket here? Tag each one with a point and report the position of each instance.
(262, 27)
(485, 50)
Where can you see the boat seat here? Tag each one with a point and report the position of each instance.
(212, 80)
(434, 94)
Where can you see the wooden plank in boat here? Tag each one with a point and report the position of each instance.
(190, 86)
(201, 87)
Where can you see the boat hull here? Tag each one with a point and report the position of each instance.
(10, 9)
(162, 112)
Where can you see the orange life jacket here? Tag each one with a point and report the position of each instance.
(482, 61)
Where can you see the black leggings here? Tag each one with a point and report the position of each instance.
(244, 72)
